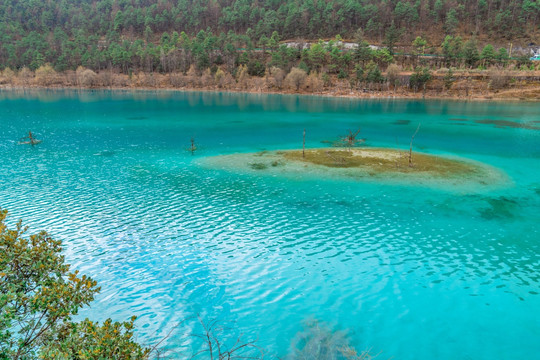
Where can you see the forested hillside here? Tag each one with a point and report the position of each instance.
(137, 34)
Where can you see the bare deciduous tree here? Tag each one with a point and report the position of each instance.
(25, 75)
(45, 75)
(86, 77)
(314, 82)
(392, 75)
(242, 76)
(278, 75)
(177, 80)
(296, 78)
(499, 78)
(105, 78)
(8, 75)
(207, 79)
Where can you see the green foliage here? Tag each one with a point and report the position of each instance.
(420, 78)
(451, 22)
(392, 36)
(143, 35)
(449, 79)
(363, 52)
(343, 74)
(38, 297)
(326, 79)
(383, 56)
(303, 66)
(451, 48)
(470, 52)
(373, 73)
(90, 340)
(406, 13)
(502, 56)
(256, 68)
(419, 45)
(524, 61)
(488, 55)
(317, 56)
(359, 73)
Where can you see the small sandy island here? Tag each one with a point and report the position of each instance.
(379, 165)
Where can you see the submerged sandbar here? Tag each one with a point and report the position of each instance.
(380, 165)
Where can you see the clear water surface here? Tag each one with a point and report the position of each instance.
(410, 272)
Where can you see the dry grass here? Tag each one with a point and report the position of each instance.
(381, 161)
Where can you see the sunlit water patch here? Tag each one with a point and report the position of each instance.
(411, 272)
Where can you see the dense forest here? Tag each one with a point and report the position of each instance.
(165, 36)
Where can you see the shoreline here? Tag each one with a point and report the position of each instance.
(336, 93)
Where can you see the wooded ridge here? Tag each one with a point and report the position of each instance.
(139, 34)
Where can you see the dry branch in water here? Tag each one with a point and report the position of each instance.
(410, 147)
(215, 348)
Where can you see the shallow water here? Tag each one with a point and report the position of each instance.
(408, 271)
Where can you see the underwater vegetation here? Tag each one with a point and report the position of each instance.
(497, 123)
(401, 122)
(500, 208)
(137, 118)
(106, 153)
(318, 341)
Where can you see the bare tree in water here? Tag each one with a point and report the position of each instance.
(350, 140)
(304, 145)
(192, 148)
(411, 145)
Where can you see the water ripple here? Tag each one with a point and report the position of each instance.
(401, 267)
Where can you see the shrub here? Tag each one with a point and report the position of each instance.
(8, 75)
(38, 297)
(25, 75)
(343, 74)
(242, 76)
(419, 78)
(313, 82)
(177, 80)
(207, 79)
(104, 78)
(373, 73)
(449, 79)
(219, 74)
(392, 74)
(296, 78)
(45, 75)
(498, 78)
(86, 77)
(278, 75)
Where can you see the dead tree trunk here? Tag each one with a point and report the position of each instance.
(193, 147)
(304, 145)
(410, 146)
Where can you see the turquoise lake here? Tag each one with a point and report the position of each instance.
(407, 271)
